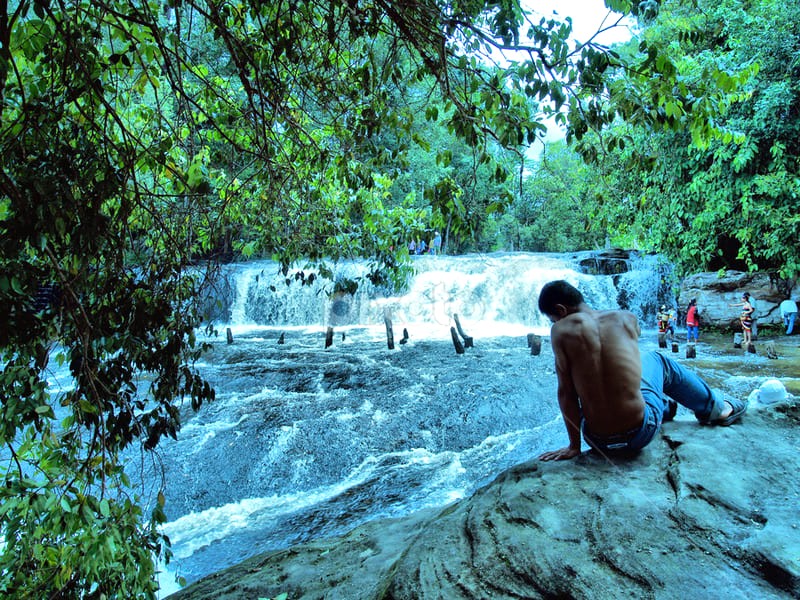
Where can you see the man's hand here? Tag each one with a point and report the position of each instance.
(562, 454)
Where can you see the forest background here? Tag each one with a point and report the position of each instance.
(142, 140)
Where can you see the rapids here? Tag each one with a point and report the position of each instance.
(305, 441)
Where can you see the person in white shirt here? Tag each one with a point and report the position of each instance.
(788, 314)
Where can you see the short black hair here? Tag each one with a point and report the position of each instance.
(558, 292)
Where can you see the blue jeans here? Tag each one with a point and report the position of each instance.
(692, 331)
(788, 320)
(662, 376)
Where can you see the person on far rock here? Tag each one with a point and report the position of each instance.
(753, 318)
(673, 322)
(692, 322)
(788, 314)
(746, 319)
(663, 321)
(607, 391)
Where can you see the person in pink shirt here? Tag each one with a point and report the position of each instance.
(692, 322)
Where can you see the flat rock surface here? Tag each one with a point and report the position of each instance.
(703, 512)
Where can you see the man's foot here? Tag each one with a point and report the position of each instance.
(730, 414)
(672, 409)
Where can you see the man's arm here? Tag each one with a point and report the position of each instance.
(568, 403)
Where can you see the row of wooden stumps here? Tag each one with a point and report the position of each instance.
(691, 350)
(281, 340)
(461, 341)
(387, 321)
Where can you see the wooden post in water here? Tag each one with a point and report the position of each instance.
(662, 340)
(675, 346)
(229, 333)
(691, 351)
(467, 339)
(737, 340)
(771, 351)
(329, 337)
(456, 342)
(535, 344)
(282, 339)
(389, 332)
(405, 337)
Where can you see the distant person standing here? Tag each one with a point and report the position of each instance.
(437, 243)
(673, 322)
(663, 322)
(788, 314)
(746, 319)
(753, 318)
(692, 322)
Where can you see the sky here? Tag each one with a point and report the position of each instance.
(588, 16)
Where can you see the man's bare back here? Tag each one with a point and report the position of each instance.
(597, 358)
(599, 373)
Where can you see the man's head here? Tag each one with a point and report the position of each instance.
(558, 298)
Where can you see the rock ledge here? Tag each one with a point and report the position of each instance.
(703, 512)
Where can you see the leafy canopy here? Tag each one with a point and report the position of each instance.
(137, 137)
(723, 195)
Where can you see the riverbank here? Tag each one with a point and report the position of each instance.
(724, 364)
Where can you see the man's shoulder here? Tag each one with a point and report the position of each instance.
(617, 314)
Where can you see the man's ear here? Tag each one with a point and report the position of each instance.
(561, 311)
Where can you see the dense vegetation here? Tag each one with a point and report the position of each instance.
(139, 139)
(725, 202)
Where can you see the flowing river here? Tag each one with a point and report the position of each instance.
(306, 441)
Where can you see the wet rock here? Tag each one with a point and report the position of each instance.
(701, 511)
(606, 262)
(714, 293)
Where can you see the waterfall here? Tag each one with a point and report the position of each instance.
(496, 290)
(304, 442)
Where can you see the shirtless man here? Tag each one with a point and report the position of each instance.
(606, 390)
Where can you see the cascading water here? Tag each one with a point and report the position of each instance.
(496, 289)
(305, 441)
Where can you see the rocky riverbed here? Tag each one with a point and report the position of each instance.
(703, 512)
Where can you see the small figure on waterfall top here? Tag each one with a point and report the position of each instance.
(609, 393)
(692, 322)
(745, 319)
(437, 243)
(788, 314)
(412, 247)
(421, 246)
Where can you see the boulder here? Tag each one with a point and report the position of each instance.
(605, 262)
(714, 293)
(702, 512)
